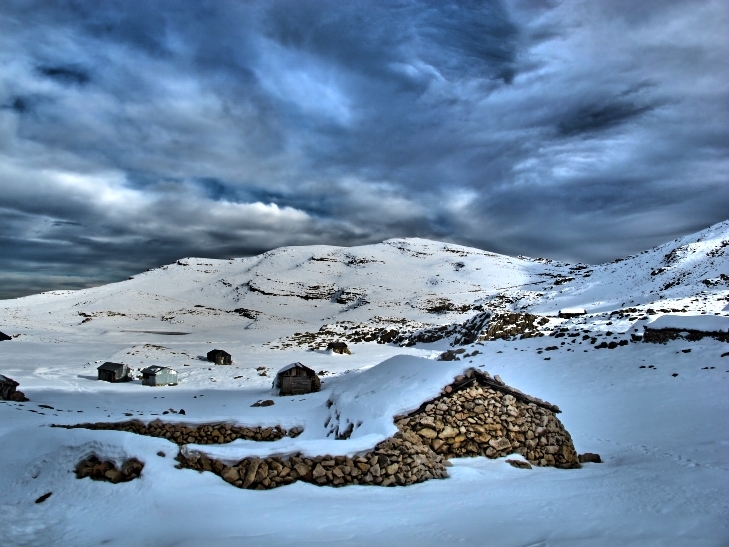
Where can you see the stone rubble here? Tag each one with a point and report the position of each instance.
(99, 470)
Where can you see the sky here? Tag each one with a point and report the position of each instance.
(135, 133)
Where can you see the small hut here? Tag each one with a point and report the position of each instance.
(220, 357)
(569, 313)
(4, 337)
(339, 347)
(114, 372)
(157, 375)
(296, 379)
(8, 390)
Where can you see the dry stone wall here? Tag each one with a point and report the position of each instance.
(185, 434)
(663, 336)
(401, 460)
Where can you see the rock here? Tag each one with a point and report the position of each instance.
(521, 464)
(318, 471)
(230, 474)
(114, 476)
(500, 444)
(427, 433)
(589, 457)
(161, 454)
(44, 497)
(251, 473)
(448, 432)
(302, 469)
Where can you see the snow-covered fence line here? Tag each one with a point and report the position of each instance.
(691, 327)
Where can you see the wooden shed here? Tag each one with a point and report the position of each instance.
(220, 357)
(8, 390)
(339, 347)
(296, 379)
(4, 337)
(157, 375)
(114, 372)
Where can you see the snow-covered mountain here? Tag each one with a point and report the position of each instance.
(416, 279)
(657, 413)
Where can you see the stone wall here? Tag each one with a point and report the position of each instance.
(400, 460)
(184, 434)
(663, 336)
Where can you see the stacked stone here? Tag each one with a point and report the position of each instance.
(398, 461)
(481, 420)
(106, 471)
(184, 434)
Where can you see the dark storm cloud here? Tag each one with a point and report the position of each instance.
(65, 74)
(135, 133)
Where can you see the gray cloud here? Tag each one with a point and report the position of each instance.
(135, 133)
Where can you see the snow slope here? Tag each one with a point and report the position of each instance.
(662, 430)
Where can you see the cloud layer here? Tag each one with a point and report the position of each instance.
(136, 133)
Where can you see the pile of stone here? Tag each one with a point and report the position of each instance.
(98, 470)
(398, 461)
(456, 354)
(480, 416)
(184, 434)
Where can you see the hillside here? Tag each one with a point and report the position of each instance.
(655, 412)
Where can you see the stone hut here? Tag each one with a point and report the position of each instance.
(296, 379)
(569, 313)
(157, 375)
(220, 357)
(4, 337)
(339, 347)
(8, 390)
(114, 372)
(478, 415)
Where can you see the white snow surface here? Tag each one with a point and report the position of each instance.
(662, 430)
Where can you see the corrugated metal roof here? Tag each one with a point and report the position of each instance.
(154, 369)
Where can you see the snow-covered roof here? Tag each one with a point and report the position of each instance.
(703, 323)
(154, 369)
(294, 365)
(114, 367)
